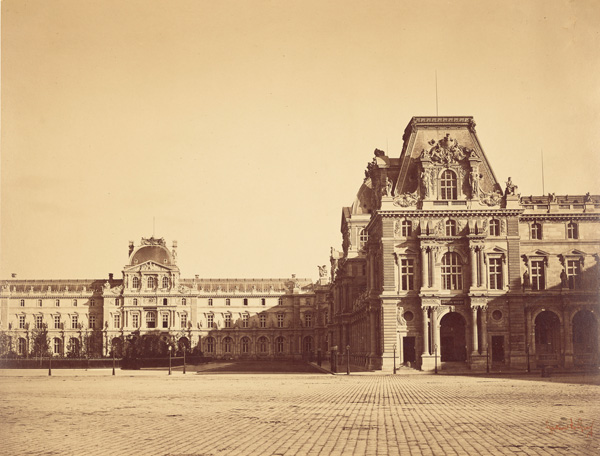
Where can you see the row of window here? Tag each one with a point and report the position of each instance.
(569, 277)
(262, 345)
(39, 322)
(56, 302)
(151, 282)
(536, 232)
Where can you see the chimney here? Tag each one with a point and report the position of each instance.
(14, 275)
(110, 276)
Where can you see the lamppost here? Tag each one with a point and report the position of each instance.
(435, 355)
(394, 358)
(169, 360)
(113, 353)
(347, 359)
(50, 364)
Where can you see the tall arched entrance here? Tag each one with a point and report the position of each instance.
(585, 339)
(453, 340)
(547, 338)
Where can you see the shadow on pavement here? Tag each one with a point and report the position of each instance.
(255, 367)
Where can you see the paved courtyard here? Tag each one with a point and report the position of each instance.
(208, 413)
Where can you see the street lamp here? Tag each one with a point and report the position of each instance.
(169, 360)
(347, 359)
(113, 353)
(435, 348)
(50, 364)
(394, 358)
(487, 359)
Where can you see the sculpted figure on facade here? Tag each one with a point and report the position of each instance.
(406, 199)
(474, 180)
(587, 198)
(511, 188)
(322, 271)
(426, 183)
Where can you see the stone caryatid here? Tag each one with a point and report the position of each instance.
(474, 177)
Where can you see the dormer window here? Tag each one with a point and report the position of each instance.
(450, 228)
(135, 283)
(448, 185)
(150, 282)
(572, 231)
(165, 282)
(536, 231)
(363, 237)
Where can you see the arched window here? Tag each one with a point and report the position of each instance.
(22, 303)
(450, 228)
(406, 228)
(245, 345)
(494, 227)
(210, 301)
(448, 185)
(572, 232)
(536, 231)
(183, 302)
(57, 303)
(279, 344)
(39, 303)
(227, 302)
(135, 302)
(227, 345)
(451, 271)
(363, 237)
(165, 282)
(263, 345)
(135, 283)
(280, 301)
(165, 301)
(150, 282)
(210, 345)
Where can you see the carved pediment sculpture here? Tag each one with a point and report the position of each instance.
(406, 199)
(153, 241)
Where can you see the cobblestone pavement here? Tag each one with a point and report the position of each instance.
(152, 413)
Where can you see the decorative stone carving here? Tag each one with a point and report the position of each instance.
(322, 271)
(400, 316)
(491, 199)
(153, 241)
(406, 200)
(474, 177)
(447, 151)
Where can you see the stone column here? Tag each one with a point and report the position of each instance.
(435, 328)
(568, 338)
(475, 335)
(472, 260)
(484, 336)
(424, 268)
(434, 275)
(400, 345)
(425, 333)
(481, 268)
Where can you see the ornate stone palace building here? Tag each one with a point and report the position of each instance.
(440, 264)
(223, 318)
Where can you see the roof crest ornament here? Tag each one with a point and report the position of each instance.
(153, 241)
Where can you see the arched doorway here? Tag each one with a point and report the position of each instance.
(547, 337)
(183, 344)
(585, 338)
(453, 341)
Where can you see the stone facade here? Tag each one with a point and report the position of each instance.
(440, 264)
(222, 318)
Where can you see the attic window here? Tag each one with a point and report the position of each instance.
(448, 185)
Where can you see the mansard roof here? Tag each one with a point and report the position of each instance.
(442, 141)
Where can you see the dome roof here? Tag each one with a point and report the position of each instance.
(157, 253)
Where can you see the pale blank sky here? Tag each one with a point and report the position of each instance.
(244, 127)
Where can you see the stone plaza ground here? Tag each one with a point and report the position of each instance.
(227, 410)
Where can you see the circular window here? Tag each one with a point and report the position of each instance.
(497, 315)
(408, 315)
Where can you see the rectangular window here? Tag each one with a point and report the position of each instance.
(407, 273)
(21, 321)
(308, 320)
(495, 273)
(135, 321)
(183, 320)
(228, 321)
(74, 322)
(92, 303)
(210, 321)
(280, 321)
(245, 301)
(263, 302)
(245, 319)
(117, 321)
(39, 322)
(74, 302)
(165, 320)
(210, 301)
(538, 281)
(227, 302)
(57, 322)
(150, 320)
(263, 321)
(22, 303)
(39, 303)
(573, 273)
(93, 321)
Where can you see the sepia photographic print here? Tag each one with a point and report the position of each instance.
(273, 227)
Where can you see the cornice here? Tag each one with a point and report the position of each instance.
(450, 212)
(563, 216)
